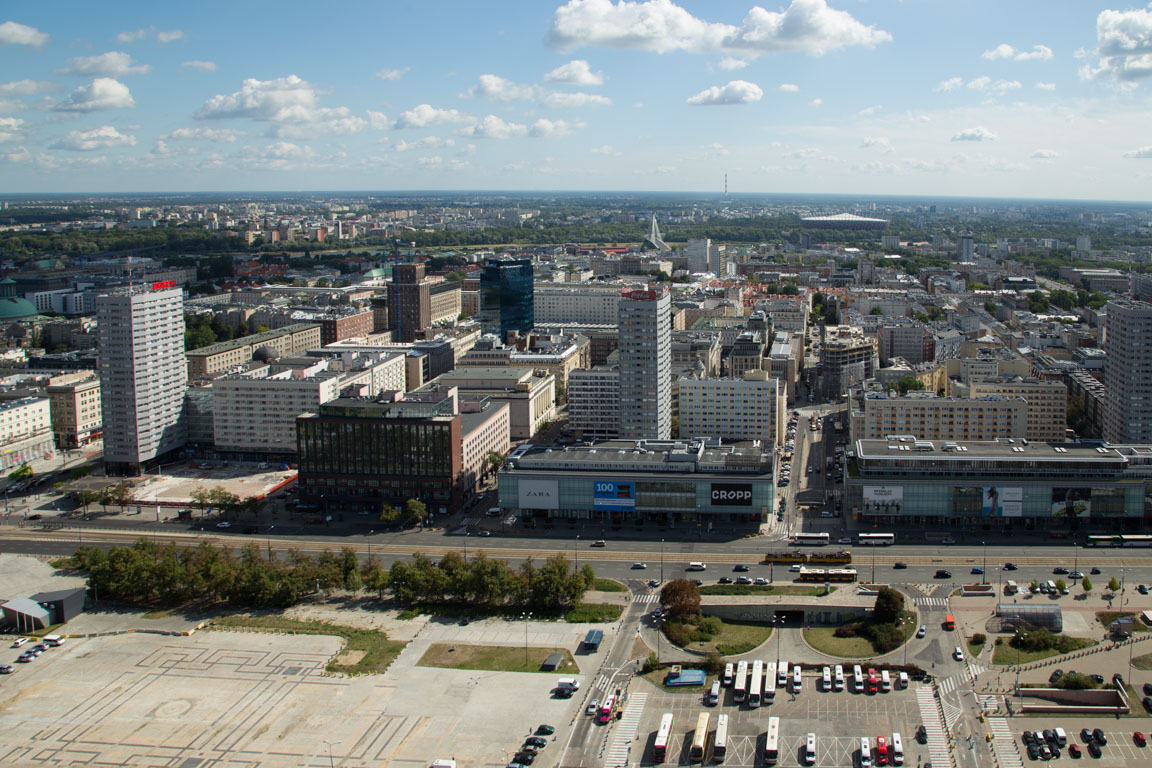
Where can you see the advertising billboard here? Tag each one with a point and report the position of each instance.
(1071, 502)
(163, 284)
(612, 496)
(883, 493)
(731, 494)
(1002, 502)
(538, 494)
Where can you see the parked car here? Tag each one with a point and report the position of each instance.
(761, 581)
(536, 741)
(1074, 751)
(1086, 735)
(921, 734)
(524, 758)
(1093, 749)
(19, 642)
(1147, 702)
(1148, 689)
(1139, 739)
(1098, 678)
(1098, 737)
(6, 669)
(725, 580)
(1033, 752)
(545, 730)
(1142, 589)
(1056, 675)
(922, 631)
(743, 580)
(1028, 738)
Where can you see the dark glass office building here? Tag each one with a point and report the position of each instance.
(506, 296)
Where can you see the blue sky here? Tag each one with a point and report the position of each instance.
(1034, 98)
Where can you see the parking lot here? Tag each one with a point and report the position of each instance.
(839, 720)
(261, 701)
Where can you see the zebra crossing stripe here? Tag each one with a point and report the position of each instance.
(939, 753)
(652, 598)
(1003, 744)
(938, 602)
(626, 729)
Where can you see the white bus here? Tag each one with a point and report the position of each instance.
(813, 539)
(876, 539)
(660, 748)
(729, 671)
(770, 682)
(772, 742)
(699, 739)
(755, 684)
(740, 685)
(720, 742)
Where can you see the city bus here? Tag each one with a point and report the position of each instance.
(772, 742)
(770, 682)
(699, 739)
(606, 709)
(740, 685)
(660, 747)
(831, 574)
(720, 740)
(876, 539)
(756, 684)
(812, 539)
(729, 671)
(1119, 540)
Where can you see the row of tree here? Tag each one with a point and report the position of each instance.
(489, 583)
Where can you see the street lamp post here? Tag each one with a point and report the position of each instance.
(526, 617)
(984, 575)
(777, 626)
(370, 533)
(268, 538)
(873, 565)
(331, 764)
(661, 561)
(465, 546)
(576, 551)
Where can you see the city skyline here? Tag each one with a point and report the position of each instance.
(1029, 100)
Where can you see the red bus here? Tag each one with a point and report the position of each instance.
(872, 680)
(606, 710)
(660, 748)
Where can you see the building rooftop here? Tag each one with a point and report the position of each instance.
(908, 448)
(652, 456)
(254, 340)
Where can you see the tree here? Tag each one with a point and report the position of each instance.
(990, 307)
(414, 512)
(1061, 585)
(23, 472)
(1038, 302)
(375, 577)
(202, 497)
(680, 598)
(120, 495)
(495, 460)
(889, 606)
(1086, 585)
(876, 311)
(389, 515)
(350, 566)
(1062, 299)
(908, 384)
(86, 498)
(1113, 584)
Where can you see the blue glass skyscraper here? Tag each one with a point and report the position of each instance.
(506, 296)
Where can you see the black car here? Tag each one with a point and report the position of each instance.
(1028, 738)
(535, 742)
(1033, 752)
(1148, 689)
(545, 730)
(1098, 678)
(1086, 735)
(1059, 570)
(725, 580)
(942, 574)
(1098, 737)
(740, 568)
(922, 734)
(1049, 736)
(1094, 571)
(1147, 702)
(524, 758)
(1056, 675)
(899, 566)
(1093, 749)
(1009, 566)
(1118, 680)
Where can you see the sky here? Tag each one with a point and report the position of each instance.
(1027, 98)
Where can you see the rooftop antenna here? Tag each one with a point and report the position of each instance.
(725, 185)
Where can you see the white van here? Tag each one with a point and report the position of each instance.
(1010, 588)
(713, 697)
(865, 753)
(897, 750)
(810, 749)
(902, 681)
(857, 679)
(839, 684)
(53, 641)
(1061, 737)
(782, 674)
(494, 512)
(885, 681)
(568, 684)
(697, 567)
(827, 681)
(729, 673)
(1052, 588)
(797, 681)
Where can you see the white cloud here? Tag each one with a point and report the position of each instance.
(25, 87)
(10, 128)
(979, 133)
(816, 102)
(951, 84)
(392, 74)
(736, 92)
(305, 123)
(1005, 51)
(498, 88)
(110, 64)
(575, 72)
(104, 137)
(558, 100)
(200, 65)
(809, 26)
(550, 129)
(424, 115)
(728, 62)
(789, 87)
(1045, 154)
(605, 149)
(493, 127)
(1143, 153)
(101, 93)
(986, 83)
(218, 135)
(1123, 46)
(272, 100)
(869, 111)
(12, 33)
(146, 33)
(377, 121)
(877, 142)
(427, 142)
(434, 161)
(1045, 86)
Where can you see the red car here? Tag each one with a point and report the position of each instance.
(881, 751)
(1139, 739)
(1074, 751)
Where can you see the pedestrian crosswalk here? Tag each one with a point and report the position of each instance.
(988, 701)
(601, 683)
(625, 734)
(932, 602)
(643, 599)
(949, 684)
(1003, 744)
(939, 752)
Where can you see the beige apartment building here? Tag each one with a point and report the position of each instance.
(876, 415)
(77, 418)
(747, 408)
(283, 342)
(1047, 403)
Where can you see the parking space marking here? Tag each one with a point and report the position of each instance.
(1004, 744)
(939, 752)
(626, 728)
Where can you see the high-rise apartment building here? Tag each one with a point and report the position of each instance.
(506, 296)
(143, 374)
(1128, 373)
(409, 301)
(645, 320)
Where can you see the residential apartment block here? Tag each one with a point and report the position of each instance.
(290, 340)
(876, 415)
(752, 407)
(594, 402)
(77, 416)
(25, 431)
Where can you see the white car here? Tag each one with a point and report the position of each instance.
(795, 568)
(19, 642)
(922, 631)
(844, 540)
(947, 540)
(958, 654)
(223, 524)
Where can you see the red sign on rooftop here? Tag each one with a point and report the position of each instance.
(163, 284)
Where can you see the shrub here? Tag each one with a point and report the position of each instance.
(679, 634)
(714, 663)
(847, 630)
(1074, 681)
(885, 637)
(979, 639)
(999, 641)
(708, 627)
(652, 662)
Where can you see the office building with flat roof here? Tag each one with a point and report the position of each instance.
(645, 357)
(1128, 372)
(506, 297)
